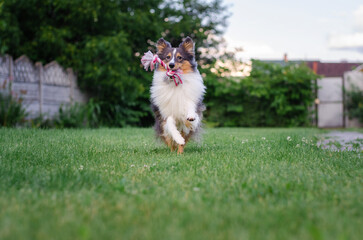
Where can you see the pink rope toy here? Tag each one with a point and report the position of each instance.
(149, 60)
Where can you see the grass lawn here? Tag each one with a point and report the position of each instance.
(120, 184)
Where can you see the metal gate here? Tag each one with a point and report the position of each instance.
(330, 107)
(331, 112)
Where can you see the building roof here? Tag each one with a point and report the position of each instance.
(326, 69)
(331, 69)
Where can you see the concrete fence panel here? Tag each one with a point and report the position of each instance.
(43, 90)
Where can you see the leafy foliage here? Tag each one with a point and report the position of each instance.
(355, 103)
(273, 95)
(71, 116)
(11, 110)
(78, 116)
(104, 40)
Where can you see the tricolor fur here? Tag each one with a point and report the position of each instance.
(177, 109)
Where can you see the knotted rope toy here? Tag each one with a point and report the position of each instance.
(149, 60)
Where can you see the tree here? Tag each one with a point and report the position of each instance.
(103, 41)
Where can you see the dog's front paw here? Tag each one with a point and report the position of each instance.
(179, 140)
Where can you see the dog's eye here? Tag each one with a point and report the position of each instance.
(168, 57)
(180, 58)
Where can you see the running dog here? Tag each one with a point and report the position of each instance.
(178, 108)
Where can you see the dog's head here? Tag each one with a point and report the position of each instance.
(180, 58)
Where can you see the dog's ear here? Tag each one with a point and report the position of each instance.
(188, 45)
(162, 44)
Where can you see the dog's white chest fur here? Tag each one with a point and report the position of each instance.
(177, 101)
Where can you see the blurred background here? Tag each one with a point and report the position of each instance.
(278, 64)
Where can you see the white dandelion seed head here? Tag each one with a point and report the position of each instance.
(288, 138)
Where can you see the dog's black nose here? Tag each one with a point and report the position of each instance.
(171, 65)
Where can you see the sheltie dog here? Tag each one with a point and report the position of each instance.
(178, 109)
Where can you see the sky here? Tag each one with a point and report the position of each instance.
(329, 31)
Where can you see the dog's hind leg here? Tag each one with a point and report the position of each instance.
(170, 128)
(169, 141)
(181, 147)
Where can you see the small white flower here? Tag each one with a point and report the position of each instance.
(263, 138)
(288, 138)
(297, 145)
(145, 166)
(81, 167)
(132, 165)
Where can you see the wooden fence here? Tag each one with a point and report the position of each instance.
(43, 89)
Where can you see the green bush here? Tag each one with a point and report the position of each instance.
(11, 110)
(273, 95)
(72, 116)
(78, 116)
(355, 103)
(40, 122)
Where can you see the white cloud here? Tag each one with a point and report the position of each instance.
(251, 49)
(358, 18)
(353, 41)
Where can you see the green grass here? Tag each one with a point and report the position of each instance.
(120, 184)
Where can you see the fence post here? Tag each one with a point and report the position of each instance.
(72, 84)
(40, 73)
(11, 73)
(316, 103)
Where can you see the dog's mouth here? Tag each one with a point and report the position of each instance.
(177, 70)
(175, 76)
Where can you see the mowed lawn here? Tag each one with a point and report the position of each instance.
(121, 184)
